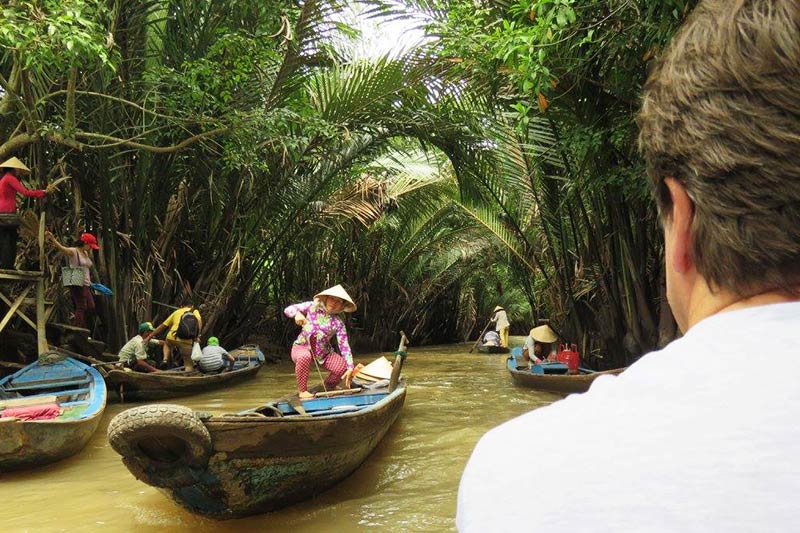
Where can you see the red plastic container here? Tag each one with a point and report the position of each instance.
(568, 354)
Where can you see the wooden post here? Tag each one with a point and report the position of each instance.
(41, 337)
(398, 362)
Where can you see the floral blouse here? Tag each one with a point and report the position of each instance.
(319, 329)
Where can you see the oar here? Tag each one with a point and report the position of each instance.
(480, 336)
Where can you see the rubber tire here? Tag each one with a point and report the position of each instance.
(148, 421)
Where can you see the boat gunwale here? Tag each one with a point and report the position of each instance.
(242, 418)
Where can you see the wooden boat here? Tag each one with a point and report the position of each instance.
(553, 377)
(484, 348)
(80, 394)
(129, 385)
(261, 459)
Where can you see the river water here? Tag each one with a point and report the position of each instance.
(409, 483)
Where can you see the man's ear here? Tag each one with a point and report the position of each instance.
(680, 222)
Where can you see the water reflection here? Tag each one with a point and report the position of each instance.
(408, 484)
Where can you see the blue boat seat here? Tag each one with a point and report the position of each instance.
(38, 385)
(73, 392)
(549, 367)
(49, 376)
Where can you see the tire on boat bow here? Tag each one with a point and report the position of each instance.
(161, 444)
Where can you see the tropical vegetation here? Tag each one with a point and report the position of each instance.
(237, 155)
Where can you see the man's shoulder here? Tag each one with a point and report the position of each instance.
(131, 343)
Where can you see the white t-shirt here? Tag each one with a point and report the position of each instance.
(703, 435)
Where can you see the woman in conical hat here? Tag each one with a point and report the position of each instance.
(539, 343)
(502, 325)
(544, 334)
(9, 187)
(320, 321)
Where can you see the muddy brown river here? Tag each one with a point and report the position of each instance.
(409, 483)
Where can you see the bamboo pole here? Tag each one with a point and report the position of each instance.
(41, 337)
(480, 336)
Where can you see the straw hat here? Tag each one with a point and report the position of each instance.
(498, 308)
(14, 163)
(339, 292)
(544, 334)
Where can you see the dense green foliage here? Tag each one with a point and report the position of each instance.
(570, 201)
(227, 152)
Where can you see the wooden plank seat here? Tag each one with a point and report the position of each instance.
(71, 393)
(35, 385)
(61, 397)
(41, 377)
(35, 399)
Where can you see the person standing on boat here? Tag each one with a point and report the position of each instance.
(697, 436)
(539, 344)
(213, 358)
(10, 186)
(183, 329)
(502, 325)
(320, 322)
(80, 255)
(134, 353)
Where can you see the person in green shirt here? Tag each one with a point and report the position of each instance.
(134, 353)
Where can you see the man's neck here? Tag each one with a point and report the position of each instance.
(708, 303)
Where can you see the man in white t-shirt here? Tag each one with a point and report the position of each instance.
(703, 435)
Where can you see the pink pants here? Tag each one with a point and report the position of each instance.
(303, 361)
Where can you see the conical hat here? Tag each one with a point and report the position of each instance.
(339, 292)
(379, 369)
(544, 334)
(498, 308)
(14, 163)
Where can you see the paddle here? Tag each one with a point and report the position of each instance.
(480, 336)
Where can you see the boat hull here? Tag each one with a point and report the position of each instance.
(492, 349)
(26, 444)
(29, 444)
(556, 383)
(259, 464)
(138, 386)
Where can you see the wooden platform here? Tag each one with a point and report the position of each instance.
(32, 281)
(21, 275)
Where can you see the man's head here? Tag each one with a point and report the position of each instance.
(720, 132)
(146, 329)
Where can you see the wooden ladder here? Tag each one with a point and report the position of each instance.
(30, 279)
